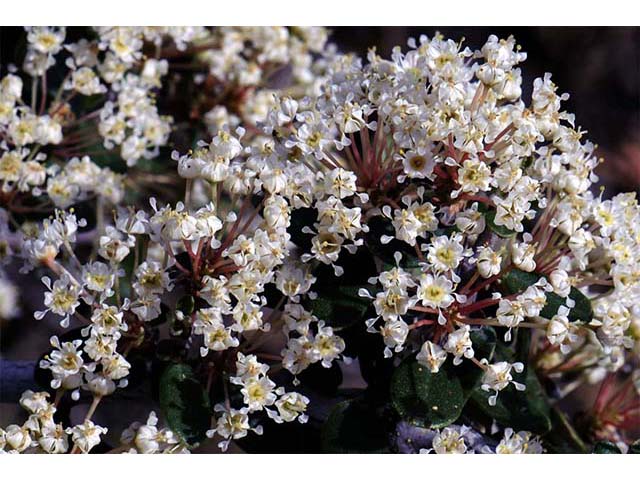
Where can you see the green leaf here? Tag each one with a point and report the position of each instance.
(436, 400)
(355, 426)
(427, 399)
(526, 410)
(634, 447)
(184, 403)
(605, 447)
(517, 281)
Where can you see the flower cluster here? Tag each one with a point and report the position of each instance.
(461, 439)
(414, 213)
(41, 432)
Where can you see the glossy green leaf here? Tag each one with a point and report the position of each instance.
(427, 399)
(436, 399)
(184, 403)
(527, 410)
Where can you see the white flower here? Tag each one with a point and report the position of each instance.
(445, 254)
(115, 245)
(61, 299)
(459, 344)
(559, 330)
(328, 345)
(232, 425)
(418, 164)
(99, 384)
(559, 279)
(47, 40)
(146, 308)
(396, 277)
(471, 222)
(291, 406)
(431, 356)
(450, 440)
(18, 438)
(340, 183)
(293, 280)
(86, 435)
(34, 402)
(473, 176)
(435, 291)
(53, 439)
(488, 262)
(510, 314)
(85, 81)
(107, 320)
(258, 393)
(518, 443)
(407, 226)
(392, 303)
(248, 367)
(188, 166)
(149, 438)
(65, 363)
(498, 376)
(217, 337)
(326, 247)
(394, 333)
(151, 279)
(115, 366)
(98, 277)
(208, 224)
(11, 87)
(522, 255)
